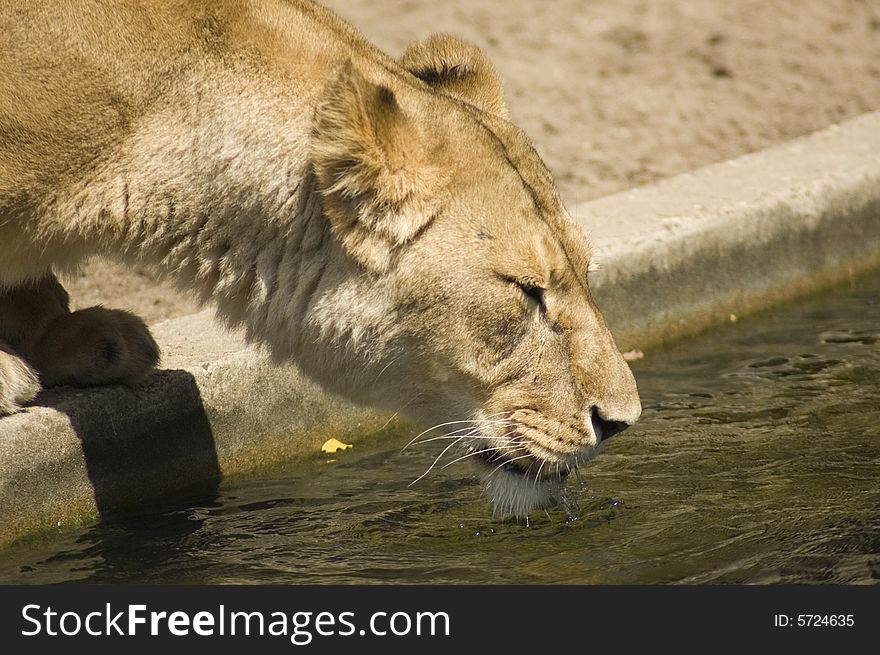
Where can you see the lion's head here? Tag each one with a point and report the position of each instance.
(467, 301)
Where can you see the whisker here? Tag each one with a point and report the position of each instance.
(385, 368)
(440, 425)
(434, 463)
(388, 422)
(511, 451)
(508, 462)
(538, 474)
(471, 435)
(501, 451)
(476, 452)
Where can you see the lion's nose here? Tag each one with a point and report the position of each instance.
(605, 429)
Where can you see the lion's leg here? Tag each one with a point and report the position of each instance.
(25, 310)
(88, 347)
(18, 381)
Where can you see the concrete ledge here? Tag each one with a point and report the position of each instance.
(737, 236)
(218, 408)
(677, 257)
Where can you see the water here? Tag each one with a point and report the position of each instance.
(756, 460)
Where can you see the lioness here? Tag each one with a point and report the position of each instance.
(380, 222)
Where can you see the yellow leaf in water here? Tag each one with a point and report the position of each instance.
(332, 445)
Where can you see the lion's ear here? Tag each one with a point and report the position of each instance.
(457, 68)
(372, 167)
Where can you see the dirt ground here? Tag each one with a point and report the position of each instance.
(619, 93)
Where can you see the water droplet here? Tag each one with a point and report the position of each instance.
(568, 503)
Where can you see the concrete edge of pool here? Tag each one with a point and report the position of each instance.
(676, 257)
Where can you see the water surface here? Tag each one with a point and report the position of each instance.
(756, 460)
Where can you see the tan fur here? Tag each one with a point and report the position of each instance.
(458, 69)
(380, 223)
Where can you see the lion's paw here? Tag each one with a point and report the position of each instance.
(95, 346)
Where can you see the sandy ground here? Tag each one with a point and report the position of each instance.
(618, 93)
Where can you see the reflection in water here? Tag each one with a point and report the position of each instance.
(756, 460)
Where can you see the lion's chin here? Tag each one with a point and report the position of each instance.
(515, 492)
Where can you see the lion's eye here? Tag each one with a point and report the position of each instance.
(535, 294)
